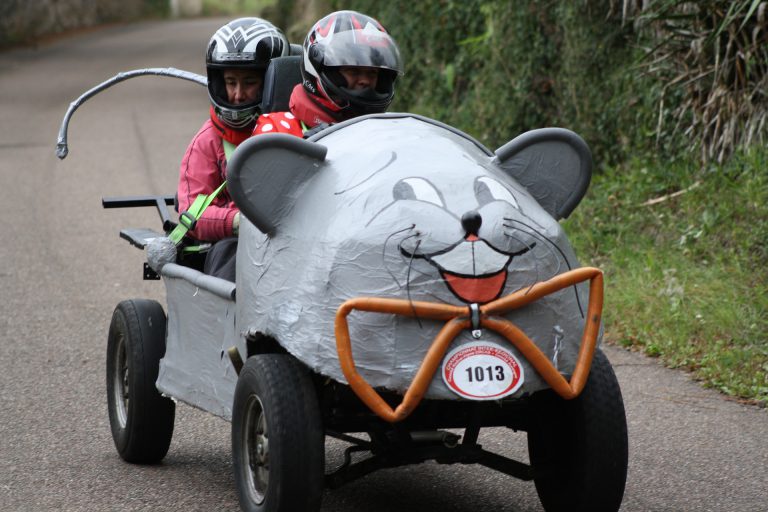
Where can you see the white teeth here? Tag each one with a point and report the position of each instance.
(472, 259)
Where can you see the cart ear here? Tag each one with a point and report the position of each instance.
(266, 172)
(554, 164)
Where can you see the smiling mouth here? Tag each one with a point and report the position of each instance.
(473, 289)
(473, 270)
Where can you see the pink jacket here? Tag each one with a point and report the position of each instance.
(203, 169)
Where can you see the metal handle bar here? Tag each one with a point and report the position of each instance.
(61, 147)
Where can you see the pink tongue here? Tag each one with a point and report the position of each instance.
(476, 289)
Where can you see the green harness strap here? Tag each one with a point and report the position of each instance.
(229, 148)
(189, 218)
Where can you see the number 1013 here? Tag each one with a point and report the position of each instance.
(480, 374)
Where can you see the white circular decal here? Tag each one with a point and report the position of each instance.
(481, 371)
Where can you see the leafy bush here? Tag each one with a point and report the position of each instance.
(498, 68)
(712, 57)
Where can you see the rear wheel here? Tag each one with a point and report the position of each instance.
(578, 448)
(277, 437)
(141, 419)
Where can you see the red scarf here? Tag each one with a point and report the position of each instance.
(312, 110)
(230, 134)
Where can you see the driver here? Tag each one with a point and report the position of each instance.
(236, 58)
(349, 68)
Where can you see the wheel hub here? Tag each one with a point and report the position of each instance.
(257, 449)
(122, 394)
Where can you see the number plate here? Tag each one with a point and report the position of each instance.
(482, 371)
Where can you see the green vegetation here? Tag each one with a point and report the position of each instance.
(685, 276)
(496, 68)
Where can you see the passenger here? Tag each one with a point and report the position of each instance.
(349, 67)
(236, 58)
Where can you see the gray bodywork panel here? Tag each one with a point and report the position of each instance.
(373, 208)
(201, 327)
(279, 181)
(553, 164)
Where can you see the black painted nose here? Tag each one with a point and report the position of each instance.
(471, 222)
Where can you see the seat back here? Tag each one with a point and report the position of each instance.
(282, 75)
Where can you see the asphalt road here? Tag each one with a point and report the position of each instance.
(64, 269)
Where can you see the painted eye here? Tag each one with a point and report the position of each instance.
(417, 189)
(488, 190)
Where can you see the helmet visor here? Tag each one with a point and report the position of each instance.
(370, 48)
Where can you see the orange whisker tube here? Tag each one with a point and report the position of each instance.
(457, 319)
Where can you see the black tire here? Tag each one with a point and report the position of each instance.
(141, 419)
(277, 437)
(578, 448)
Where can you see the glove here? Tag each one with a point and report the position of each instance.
(236, 224)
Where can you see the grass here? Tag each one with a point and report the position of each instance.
(685, 276)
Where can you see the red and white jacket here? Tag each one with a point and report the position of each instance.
(303, 109)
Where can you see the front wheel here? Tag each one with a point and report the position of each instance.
(141, 418)
(277, 437)
(578, 448)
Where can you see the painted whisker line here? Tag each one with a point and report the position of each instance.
(408, 283)
(384, 251)
(555, 246)
(530, 247)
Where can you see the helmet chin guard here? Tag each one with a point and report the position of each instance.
(359, 102)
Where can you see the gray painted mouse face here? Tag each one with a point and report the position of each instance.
(448, 227)
(399, 207)
(472, 249)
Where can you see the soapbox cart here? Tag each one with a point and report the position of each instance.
(399, 287)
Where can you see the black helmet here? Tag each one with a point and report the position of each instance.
(349, 38)
(248, 43)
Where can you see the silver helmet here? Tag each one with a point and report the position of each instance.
(247, 43)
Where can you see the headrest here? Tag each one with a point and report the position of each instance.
(282, 75)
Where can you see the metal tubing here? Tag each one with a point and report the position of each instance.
(61, 147)
(457, 319)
